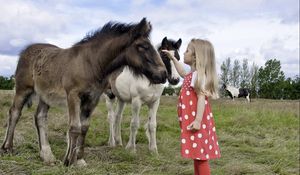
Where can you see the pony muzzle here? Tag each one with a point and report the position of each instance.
(173, 81)
(160, 77)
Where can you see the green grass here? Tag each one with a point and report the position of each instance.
(258, 138)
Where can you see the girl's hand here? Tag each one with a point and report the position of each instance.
(168, 53)
(194, 126)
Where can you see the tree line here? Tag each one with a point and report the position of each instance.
(7, 83)
(267, 81)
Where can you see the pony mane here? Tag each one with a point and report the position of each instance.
(110, 28)
(173, 42)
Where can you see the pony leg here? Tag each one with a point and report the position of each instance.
(117, 122)
(85, 113)
(75, 128)
(151, 127)
(111, 119)
(13, 118)
(40, 119)
(135, 123)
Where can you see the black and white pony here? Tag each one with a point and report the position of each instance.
(135, 88)
(235, 92)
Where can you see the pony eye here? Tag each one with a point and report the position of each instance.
(142, 47)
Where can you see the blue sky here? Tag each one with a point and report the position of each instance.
(254, 29)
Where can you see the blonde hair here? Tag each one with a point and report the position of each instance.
(205, 64)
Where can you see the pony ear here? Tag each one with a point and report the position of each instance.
(142, 29)
(164, 42)
(178, 43)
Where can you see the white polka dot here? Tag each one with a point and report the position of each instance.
(202, 150)
(203, 126)
(183, 141)
(192, 138)
(208, 132)
(206, 102)
(207, 156)
(210, 147)
(216, 152)
(179, 104)
(213, 138)
(191, 102)
(208, 117)
(206, 141)
(211, 115)
(181, 130)
(217, 143)
(186, 117)
(214, 129)
(183, 106)
(199, 135)
(181, 97)
(188, 93)
(194, 145)
(187, 151)
(194, 113)
(180, 118)
(197, 158)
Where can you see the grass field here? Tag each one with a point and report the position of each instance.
(258, 138)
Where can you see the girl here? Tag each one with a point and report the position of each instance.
(198, 133)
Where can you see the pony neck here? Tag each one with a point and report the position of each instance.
(111, 56)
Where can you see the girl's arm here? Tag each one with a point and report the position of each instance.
(196, 124)
(179, 67)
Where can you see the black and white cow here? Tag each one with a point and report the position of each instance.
(235, 92)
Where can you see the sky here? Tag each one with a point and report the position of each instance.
(256, 30)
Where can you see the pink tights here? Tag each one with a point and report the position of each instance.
(201, 167)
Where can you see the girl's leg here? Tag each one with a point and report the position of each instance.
(204, 168)
(196, 167)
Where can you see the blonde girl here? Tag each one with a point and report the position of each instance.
(198, 133)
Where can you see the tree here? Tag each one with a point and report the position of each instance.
(168, 90)
(245, 75)
(225, 71)
(6, 83)
(291, 88)
(235, 74)
(254, 80)
(271, 80)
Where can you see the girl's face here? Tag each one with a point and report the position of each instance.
(188, 56)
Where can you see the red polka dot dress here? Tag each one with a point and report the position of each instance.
(202, 144)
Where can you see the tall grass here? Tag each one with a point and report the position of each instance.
(257, 138)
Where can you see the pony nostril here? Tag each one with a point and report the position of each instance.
(174, 81)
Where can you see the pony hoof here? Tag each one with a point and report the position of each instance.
(111, 144)
(154, 152)
(119, 143)
(47, 156)
(81, 163)
(66, 162)
(6, 151)
(50, 160)
(70, 161)
(131, 148)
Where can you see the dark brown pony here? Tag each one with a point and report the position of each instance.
(77, 76)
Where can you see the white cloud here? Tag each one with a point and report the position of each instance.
(253, 29)
(8, 65)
